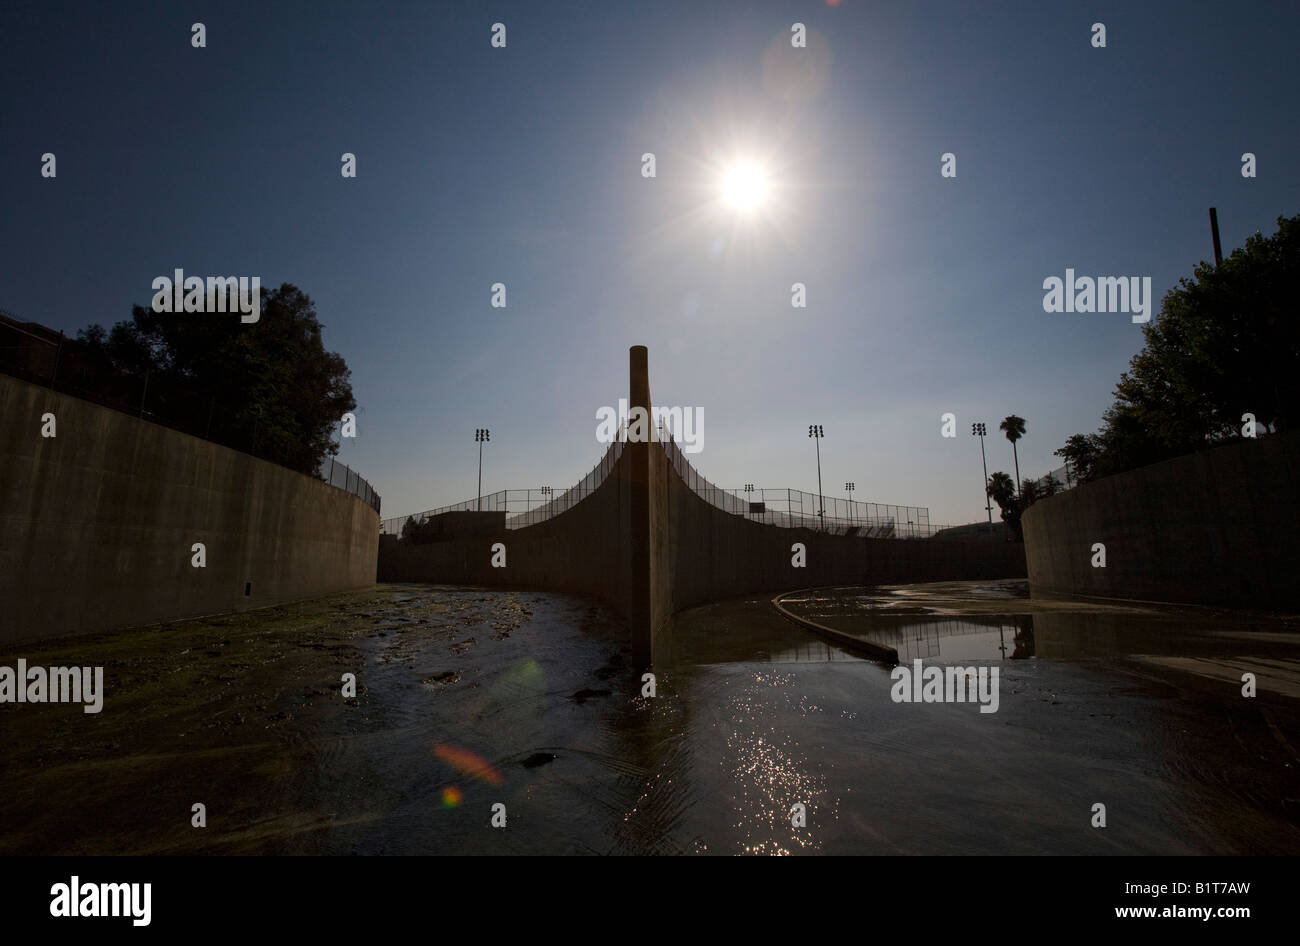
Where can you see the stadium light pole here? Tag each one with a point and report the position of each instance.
(481, 436)
(979, 430)
(848, 487)
(816, 432)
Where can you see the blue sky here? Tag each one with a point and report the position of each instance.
(522, 165)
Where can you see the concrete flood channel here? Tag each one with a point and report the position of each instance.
(470, 698)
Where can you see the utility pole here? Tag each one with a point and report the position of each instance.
(816, 433)
(1214, 231)
(979, 430)
(481, 436)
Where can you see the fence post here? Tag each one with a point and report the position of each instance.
(57, 354)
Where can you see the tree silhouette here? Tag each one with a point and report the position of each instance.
(1226, 344)
(1001, 488)
(1080, 453)
(1014, 428)
(269, 387)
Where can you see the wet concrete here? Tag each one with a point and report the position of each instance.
(471, 698)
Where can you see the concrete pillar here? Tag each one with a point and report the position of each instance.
(637, 460)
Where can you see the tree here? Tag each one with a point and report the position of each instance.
(1014, 428)
(1080, 454)
(1029, 494)
(1226, 343)
(1001, 489)
(268, 387)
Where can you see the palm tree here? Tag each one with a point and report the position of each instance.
(1002, 491)
(1014, 427)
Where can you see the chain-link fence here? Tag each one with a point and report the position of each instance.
(523, 507)
(1061, 479)
(793, 508)
(348, 479)
(788, 508)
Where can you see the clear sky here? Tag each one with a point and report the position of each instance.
(522, 165)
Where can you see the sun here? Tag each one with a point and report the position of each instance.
(745, 186)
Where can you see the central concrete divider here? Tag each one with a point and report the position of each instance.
(648, 544)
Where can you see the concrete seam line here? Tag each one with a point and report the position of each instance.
(839, 638)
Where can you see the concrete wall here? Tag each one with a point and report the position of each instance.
(97, 523)
(1219, 527)
(584, 550)
(713, 554)
(647, 544)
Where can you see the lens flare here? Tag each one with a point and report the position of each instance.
(451, 796)
(468, 763)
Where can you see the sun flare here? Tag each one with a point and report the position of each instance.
(745, 186)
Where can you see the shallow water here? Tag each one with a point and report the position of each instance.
(995, 621)
(469, 699)
(755, 716)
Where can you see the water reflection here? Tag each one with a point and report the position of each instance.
(953, 622)
(1002, 637)
(774, 722)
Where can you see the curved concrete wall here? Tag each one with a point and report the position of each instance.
(1219, 527)
(647, 544)
(709, 554)
(583, 550)
(713, 554)
(97, 523)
